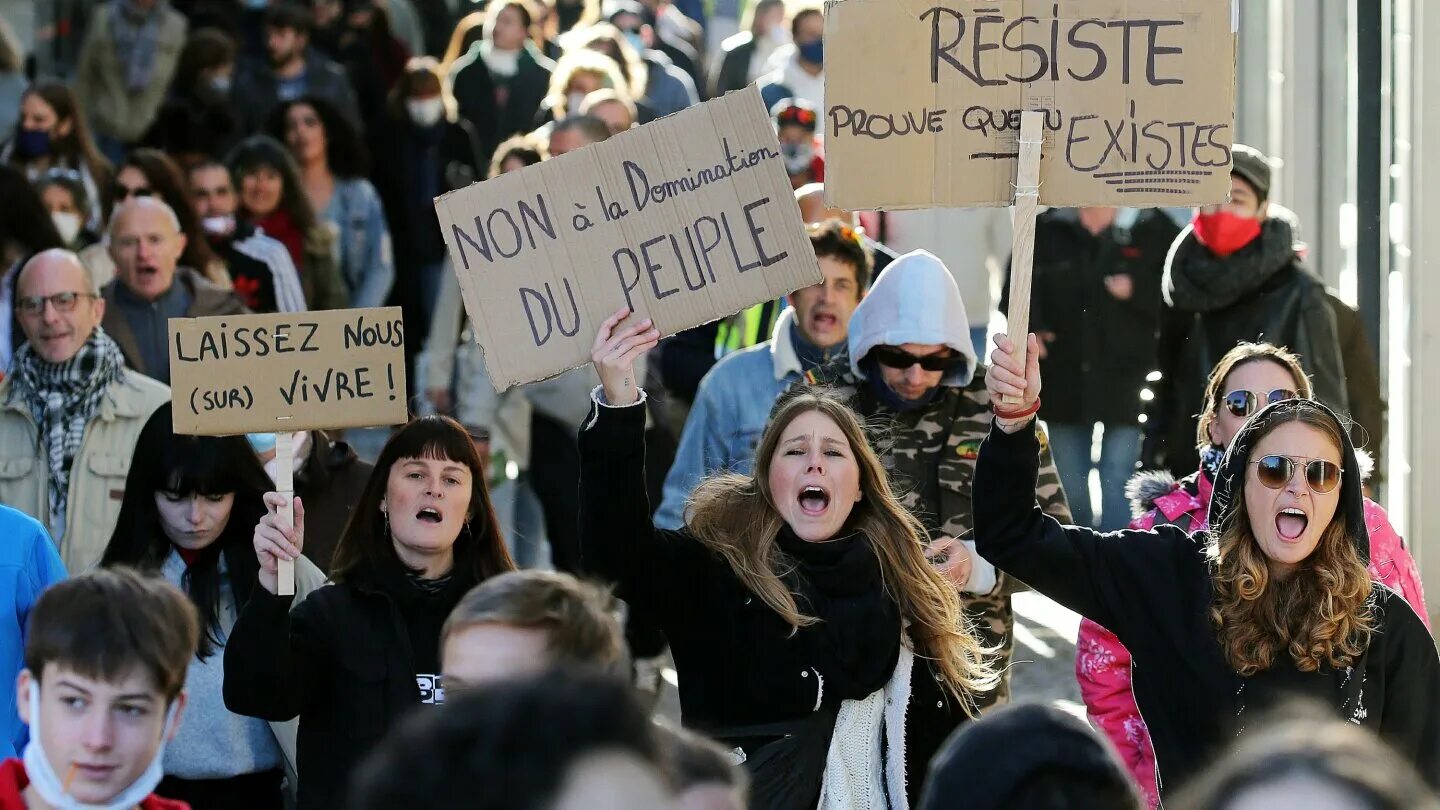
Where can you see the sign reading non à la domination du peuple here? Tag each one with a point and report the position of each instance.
(923, 101)
(287, 372)
(684, 220)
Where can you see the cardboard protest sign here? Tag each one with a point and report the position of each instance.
(684, 220)
(923, 100)
(287, 372)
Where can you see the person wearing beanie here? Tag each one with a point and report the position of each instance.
(914, 376)
(1032, 756)
(1234, 275)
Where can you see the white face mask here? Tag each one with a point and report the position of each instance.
(67, 224)
(779, 33)
(48, 784)
(573, 103)
(426, 112)
(223, 225)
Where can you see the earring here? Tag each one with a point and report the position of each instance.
(385, 516)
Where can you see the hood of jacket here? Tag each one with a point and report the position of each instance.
(915, 300)
(1229, 494)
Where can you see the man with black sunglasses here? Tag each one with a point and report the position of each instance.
(70, 412)
(916, 380)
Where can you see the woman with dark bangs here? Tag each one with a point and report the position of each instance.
(190, 503)
(1271, 601)
(364, 650)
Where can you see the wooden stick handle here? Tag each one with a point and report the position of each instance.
(1022, 254)
(285, 485)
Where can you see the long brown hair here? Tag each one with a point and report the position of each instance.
(1319, 616)
(480, 551)
(735, 516)
(1243, 355)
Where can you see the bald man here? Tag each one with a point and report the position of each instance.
(69, 391)
(151, 287)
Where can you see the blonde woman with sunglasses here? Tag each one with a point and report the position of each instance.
(1272, 600)
(1247, 378)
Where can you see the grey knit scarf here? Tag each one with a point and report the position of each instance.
(137, 34)
(1197, 280)
(62, 398)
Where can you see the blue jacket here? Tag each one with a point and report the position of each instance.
(363, 242)
(731, 408)
(28, 565)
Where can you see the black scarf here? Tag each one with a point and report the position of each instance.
(1199, 281)
(857, 642)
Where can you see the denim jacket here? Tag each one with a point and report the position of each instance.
(362, 242)
(731, 409)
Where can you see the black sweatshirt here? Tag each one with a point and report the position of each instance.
(1153, 590)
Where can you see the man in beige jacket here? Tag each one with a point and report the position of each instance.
(129, 56)
(70, 412)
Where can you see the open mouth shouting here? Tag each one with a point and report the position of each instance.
(814, 500)
(430, 515)
(1291, 523)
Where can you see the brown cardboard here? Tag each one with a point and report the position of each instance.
(586, 226)
(287, 372)
(954, 131)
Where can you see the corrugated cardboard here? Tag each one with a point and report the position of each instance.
(547, 253)
(287, 372)
(940, 120)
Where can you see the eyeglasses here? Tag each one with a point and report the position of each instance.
(63, 302)
(1244, 403)
(122, 193)
(1276, 471)
(902, 360)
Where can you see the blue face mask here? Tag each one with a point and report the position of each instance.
(261, 442)
(813, 52)
(32, 143)
(636, 41)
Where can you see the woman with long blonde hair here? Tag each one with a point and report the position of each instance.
(809, 631)
(1272, 600)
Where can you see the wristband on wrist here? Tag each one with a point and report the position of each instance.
(1021, 413)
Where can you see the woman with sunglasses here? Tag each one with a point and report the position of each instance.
(1272, 600)
(922, 393)
(1249, 377)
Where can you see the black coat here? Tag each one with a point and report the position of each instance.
(476, 97)
(1153, 590)
(342, 661)
(734, 72)
(1270, 297)
(1103, 347)
(739, 663)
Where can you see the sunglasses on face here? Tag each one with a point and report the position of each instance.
(123, 193)
(1276, 471)
(902, 360)
(1244, 403)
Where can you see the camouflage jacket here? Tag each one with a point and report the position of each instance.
(930, 454)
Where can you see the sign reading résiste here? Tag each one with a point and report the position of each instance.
(1138, 99)
(684, 220)
(287, 372)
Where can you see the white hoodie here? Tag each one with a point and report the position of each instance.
(914, 300)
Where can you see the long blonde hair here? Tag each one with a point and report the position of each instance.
(735, 516)
(1319, 616)
(573, 63)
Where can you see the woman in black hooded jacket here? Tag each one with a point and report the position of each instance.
(1273, 601)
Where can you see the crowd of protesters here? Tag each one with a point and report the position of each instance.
(811, 515)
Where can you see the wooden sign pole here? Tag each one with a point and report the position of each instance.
(285, 485)
(1027, 198)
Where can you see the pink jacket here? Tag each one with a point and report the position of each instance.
(1102, 664)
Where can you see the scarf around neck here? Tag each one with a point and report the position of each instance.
(887, 395)
(1199, 281)
(62, 398)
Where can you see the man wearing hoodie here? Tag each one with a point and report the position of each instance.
(922, 393)
(734, 400)
(1232, 276)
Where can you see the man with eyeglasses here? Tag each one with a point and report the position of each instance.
(70, 412)
(917, 382)
(150, 287)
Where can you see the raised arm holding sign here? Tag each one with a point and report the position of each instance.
(284, 373)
